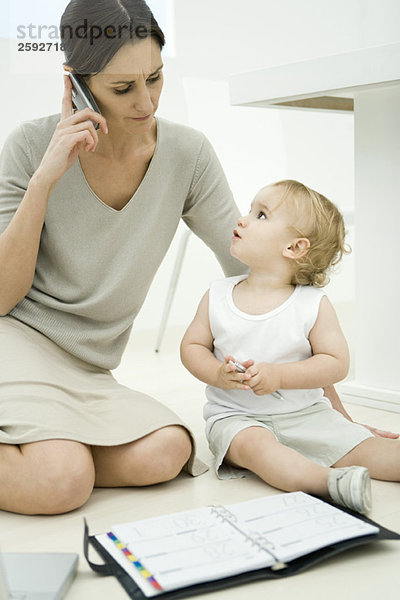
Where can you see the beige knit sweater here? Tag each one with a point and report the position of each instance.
(95, 264)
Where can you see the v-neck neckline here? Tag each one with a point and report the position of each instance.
(140, 186)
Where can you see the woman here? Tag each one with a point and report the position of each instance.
(86, 218)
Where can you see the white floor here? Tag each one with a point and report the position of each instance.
(365, 573)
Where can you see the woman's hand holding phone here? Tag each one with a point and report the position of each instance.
(73, 133)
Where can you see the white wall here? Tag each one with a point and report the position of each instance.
(214, 39)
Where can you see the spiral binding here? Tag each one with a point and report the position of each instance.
(223, 513)
(255, 538)
(263, 543)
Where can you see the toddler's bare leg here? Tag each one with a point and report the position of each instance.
(48, 477)
(257, 449)
(380, 455)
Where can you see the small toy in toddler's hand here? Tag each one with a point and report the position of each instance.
(241, 369)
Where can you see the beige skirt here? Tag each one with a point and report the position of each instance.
(46, 393)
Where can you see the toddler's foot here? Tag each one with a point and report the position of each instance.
(351, 487)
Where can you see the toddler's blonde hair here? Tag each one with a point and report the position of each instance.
(319, 220)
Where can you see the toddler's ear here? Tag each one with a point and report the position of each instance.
(298, 248)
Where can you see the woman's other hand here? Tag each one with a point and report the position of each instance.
(381, 432)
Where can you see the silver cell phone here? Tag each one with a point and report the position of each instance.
(240, 368)
(82, 97)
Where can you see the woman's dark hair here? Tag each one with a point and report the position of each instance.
(92, 31)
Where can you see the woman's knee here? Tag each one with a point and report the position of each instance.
(174, 450)
(154, 458)
(65, 478)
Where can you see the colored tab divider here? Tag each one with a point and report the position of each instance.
(136, 562)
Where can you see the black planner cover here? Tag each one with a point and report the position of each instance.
(111, 567)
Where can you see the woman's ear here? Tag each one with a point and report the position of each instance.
(298, 248)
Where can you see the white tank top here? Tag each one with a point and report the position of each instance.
(278, 336)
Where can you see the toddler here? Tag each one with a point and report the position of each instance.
(277, 321)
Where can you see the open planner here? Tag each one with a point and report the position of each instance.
(209, 548)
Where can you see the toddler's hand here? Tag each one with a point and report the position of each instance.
(230, 379)
(264, 378)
